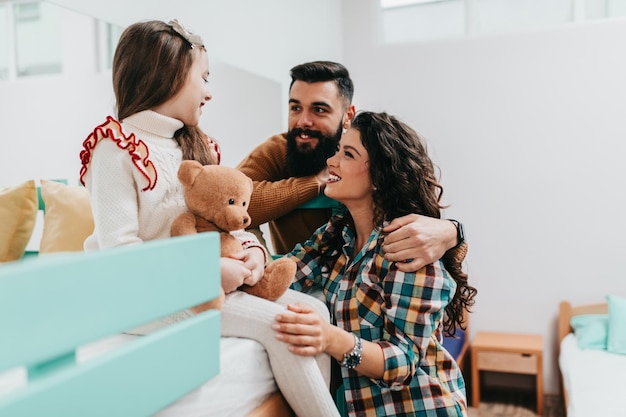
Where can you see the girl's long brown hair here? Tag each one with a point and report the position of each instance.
(150, 65)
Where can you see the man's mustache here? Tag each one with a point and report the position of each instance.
(310, 133)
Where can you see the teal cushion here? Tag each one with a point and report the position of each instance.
(591, 330)
(617, 324)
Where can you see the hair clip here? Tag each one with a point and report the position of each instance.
(193, 40)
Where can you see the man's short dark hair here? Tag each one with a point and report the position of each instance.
(320, 71)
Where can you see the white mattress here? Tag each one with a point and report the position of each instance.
(594, 380)
(245, 379)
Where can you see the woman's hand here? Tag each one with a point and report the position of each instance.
(415, 241)
(303, 330)
(309, 335)
(254, 259)
(234, 272)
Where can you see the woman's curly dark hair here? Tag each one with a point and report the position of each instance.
(404, 182)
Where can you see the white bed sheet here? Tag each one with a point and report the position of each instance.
(244, 382)
(594, 380)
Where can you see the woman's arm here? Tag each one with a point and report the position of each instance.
(318, 336)
(410, 318)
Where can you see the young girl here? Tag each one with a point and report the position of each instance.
(130, 165)
(388, 324)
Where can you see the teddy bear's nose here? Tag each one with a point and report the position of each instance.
(246, 219)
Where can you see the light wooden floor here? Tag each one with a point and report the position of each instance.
(519, 406)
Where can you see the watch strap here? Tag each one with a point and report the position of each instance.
(353, 358)
(460, 233)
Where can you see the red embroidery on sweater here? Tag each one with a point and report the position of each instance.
(137, 149)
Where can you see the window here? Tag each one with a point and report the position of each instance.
(397, 3)
(411, 20)
(4, 43)
(38, 38)
(599, 9)
(113, 36)
(108, 37)
(499, 16)
(419, 20)
(41, 38)
(30, 39)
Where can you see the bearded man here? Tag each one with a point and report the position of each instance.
(289, 169)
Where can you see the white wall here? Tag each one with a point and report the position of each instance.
(265, 37)
(530, 134)
(252, 45)
(45, 119)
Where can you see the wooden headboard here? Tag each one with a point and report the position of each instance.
(567, 311)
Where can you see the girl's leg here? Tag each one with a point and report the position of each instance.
(303, 380)
(294, 297)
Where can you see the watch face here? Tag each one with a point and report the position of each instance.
(353, 360)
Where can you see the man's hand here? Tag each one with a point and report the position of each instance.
(322, 178)
(415, 241)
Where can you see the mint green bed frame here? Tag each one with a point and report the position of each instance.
(52, 304)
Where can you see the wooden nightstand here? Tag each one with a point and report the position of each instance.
(507, 352)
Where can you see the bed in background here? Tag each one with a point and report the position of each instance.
(592, 357)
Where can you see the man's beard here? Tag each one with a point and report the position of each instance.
(310, 161)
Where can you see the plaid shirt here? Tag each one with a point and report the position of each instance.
(402, 312)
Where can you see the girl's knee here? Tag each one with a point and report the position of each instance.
(293, 297)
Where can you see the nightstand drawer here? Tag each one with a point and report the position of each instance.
(507, 362)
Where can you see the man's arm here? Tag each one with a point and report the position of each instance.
(415, 241)
(274, 194)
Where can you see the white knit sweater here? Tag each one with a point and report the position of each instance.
(134, 201)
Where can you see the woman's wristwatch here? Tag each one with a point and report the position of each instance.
(353, 358)
(460, 234)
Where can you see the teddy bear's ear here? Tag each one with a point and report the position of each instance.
(188, 171)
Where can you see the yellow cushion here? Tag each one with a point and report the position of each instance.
(67, 220)
(18, 211)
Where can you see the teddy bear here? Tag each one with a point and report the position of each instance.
(217, 199)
